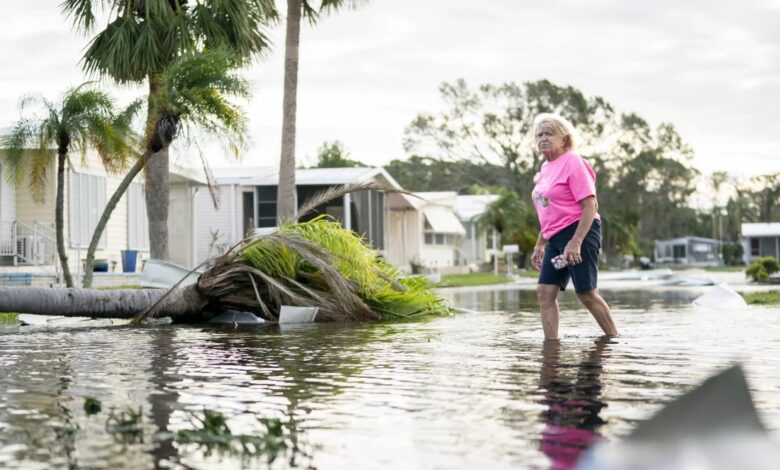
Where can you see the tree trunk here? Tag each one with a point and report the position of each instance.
(180, 303)
(157, 173)
(59, 222)
(286, 194)
(157, 199)
(109, 209)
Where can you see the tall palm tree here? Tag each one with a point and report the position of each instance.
(141, 41)
(84, 118)
(193, 93)
(296, 9)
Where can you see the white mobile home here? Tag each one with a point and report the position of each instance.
(759, 240)
(476, 244)
(27, 227)
(248, 201)
(693, 251)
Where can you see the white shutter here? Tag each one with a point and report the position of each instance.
(137, 221)
(87, 202)
(74, 208)
(101, 206)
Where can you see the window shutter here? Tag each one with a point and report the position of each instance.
(137, 220)
(87, 201)
(74, 204)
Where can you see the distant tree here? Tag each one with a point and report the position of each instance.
(433, 174)
(85, 118)
(334, 155)
(767, 197)
(644, 172)
(512, 218)
(493, 124)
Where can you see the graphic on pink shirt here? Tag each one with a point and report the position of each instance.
(560, 186)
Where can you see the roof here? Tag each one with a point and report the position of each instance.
(266, 176)
(687, 239)
(181, 174)
(239, 174)
(468, 207)
(770, 229)
(442, 198)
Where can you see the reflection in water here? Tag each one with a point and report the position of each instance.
(523, 300)
(572, 394)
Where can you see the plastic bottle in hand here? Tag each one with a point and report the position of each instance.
(559, 262)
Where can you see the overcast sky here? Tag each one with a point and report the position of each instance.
(710, 67)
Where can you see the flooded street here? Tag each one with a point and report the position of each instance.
(476, 390)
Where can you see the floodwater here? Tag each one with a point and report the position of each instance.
(476, 390)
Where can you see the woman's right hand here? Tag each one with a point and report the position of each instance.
(537, 257)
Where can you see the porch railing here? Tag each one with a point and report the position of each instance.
(30, 244)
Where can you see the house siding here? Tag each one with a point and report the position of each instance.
(403, 240)
(29, 212)
(225, 220)
(7, 198)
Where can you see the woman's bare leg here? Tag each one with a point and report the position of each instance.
(548, 307)
(600, 310)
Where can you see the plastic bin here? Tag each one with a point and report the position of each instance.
(129, 258)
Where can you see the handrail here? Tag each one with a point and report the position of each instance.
(33, 244)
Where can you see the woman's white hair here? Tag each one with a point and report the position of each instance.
(561, 125)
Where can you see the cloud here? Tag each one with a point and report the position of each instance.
(712, 68)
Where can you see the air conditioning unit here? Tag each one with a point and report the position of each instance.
(24, 247)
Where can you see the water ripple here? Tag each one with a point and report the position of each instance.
(473, 390)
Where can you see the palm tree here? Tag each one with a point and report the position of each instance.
(286, 193)
(143, 38)
(193, 93)
(513, 219)
(317, 262)
(84, 118)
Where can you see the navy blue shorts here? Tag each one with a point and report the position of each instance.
(583, 274)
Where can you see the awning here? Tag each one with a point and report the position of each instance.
(443, 220)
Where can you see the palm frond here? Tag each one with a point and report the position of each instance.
(320, 263)
(80, 12)
(334, 192)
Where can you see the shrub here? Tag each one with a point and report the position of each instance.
(762, 268)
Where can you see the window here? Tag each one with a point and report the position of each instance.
(679, 251)
(137, 220)
(432, 238)
(266, 206)
(755, 247)
(87, 201)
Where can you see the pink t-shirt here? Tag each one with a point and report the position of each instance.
(560, 186)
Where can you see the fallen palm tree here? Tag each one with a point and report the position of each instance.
(313, 263)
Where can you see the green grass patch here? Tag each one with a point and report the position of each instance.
(529, 273)
(473, 279)
(762, 298)
(123, 286)
(725, 269)
(6, 318)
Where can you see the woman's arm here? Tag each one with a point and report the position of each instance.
(572, 253)
(538, 255)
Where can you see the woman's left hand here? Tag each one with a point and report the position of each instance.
(571, 253)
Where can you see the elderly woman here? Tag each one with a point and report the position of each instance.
(570, 237)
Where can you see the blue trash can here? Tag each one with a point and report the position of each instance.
(129, 258)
